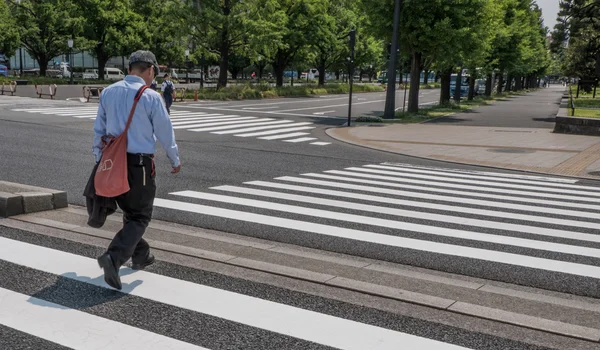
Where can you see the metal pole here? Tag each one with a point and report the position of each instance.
(351, 71)
(71, 64)
(404, 101)
(20, 61)
(390, 98)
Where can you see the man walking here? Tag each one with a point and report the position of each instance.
(167, 90)
(149, 120)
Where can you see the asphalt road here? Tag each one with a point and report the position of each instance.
(314, 192)
(513, 112)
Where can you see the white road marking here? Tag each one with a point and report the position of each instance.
(393, 241)
(220, 123)
(236, 127)
(77, 329)
(255, 312)
(488, 173)
(288, 123)
(302, 139)
(340, 180)
(481, 177)
(284, 136)
(261, 133)
(398, 225)
(210, 120)
(450, 208)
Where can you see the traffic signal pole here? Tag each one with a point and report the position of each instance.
(390, 99)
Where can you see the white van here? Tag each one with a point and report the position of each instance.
(113, 74)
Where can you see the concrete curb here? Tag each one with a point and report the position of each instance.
(16, 199)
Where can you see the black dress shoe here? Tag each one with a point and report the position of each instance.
(141, 266)
(111, 273)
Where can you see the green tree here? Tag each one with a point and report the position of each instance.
(111, 28)
(9, 33)
(45, 27)
(579, 26)
(330, 39)
(292, 27)
(166, 29)
(223, 28)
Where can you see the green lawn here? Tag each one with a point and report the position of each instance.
(587, 102)
(586, 113)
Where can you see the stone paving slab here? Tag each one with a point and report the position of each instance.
(532, 149)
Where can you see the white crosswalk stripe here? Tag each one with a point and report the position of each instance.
(534, 222)
(214, 123)
(80, 329)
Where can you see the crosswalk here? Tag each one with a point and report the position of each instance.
(55, 314)
(268, 129)
(533, 230)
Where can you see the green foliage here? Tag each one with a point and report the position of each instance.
(45, 27)
(111, 28)
(9, 32)
(579, 26)
(164, 30)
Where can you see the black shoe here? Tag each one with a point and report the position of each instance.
(111, 273)
(145, 264)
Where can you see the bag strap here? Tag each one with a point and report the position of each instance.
(138, 95)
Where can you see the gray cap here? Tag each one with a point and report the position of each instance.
(145, 56)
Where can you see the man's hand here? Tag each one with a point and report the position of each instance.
(176, 169)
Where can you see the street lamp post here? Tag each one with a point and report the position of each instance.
(187, 66)
(70, 43)
(202, 72)
(259, 68)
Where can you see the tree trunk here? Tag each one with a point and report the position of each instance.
(471, 88)
(509, 85)
(223, 65)
(445, 91)
(518, 83)
(488, 85)
(413, 96)
(321, 69)
(437, 77)
(224, 48)
(426, 77)
(234, 73)
(458, 85)
(500, 82)
(43, 62)
(101, 65)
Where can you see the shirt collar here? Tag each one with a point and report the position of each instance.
(134, 79)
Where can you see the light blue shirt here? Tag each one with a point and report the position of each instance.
(150, 121)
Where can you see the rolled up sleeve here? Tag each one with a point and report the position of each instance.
(163, 130)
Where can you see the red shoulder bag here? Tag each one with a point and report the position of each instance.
(111, 177)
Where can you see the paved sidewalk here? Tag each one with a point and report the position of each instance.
(505, 141)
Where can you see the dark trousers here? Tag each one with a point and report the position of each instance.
(168, 102)
(137, 212)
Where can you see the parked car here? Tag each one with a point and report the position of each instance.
(3, 70)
